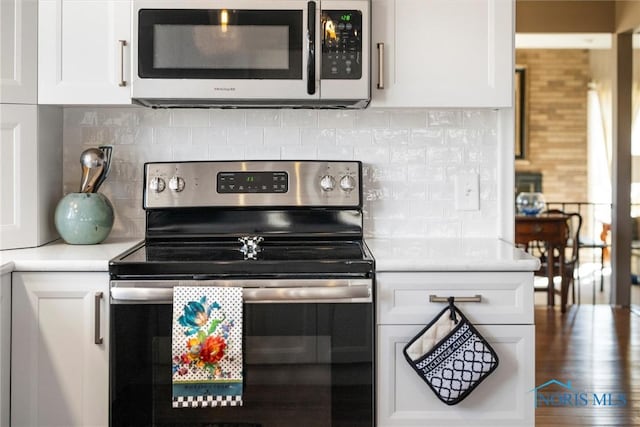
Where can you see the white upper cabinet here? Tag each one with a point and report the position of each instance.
(30, 174)
(84, 52)
(442, 53)
(19, 50)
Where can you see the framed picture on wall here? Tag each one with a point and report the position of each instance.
(520, 106)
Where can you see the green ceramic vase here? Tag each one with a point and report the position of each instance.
(84, 218)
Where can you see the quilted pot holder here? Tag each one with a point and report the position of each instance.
(451, 356)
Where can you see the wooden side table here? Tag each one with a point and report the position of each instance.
(552, 230)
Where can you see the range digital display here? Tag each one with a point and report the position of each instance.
(252, 182)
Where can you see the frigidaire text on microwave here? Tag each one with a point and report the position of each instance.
(251, 53)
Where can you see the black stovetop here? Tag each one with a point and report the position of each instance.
(223, 258)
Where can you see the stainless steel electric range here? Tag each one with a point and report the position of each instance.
(290, 234)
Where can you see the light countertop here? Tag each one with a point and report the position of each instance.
(59, 256)
(464, 254)
(390, 255)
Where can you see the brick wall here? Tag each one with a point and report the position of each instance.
(557, 120)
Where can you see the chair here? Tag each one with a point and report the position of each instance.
(574, 224)
(603, 246)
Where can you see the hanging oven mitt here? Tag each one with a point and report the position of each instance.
(451, 356)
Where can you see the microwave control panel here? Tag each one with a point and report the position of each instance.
(341, 44)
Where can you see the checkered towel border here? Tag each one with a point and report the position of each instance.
(206, 401)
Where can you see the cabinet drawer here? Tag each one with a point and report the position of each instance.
(506, 297)
(502, 399)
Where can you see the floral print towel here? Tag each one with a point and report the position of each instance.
(207, 346)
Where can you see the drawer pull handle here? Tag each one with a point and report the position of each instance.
(475, 298)
(380, 47)
(122, 44)
(97, 339)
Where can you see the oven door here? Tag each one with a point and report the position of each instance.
(220, 49)
(308, 356)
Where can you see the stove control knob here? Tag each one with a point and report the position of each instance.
(156, 184)
(327, 183)
(176, 184)
(347, 183)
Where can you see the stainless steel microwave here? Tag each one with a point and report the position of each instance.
(251, 53)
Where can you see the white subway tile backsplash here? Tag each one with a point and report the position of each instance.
(298, 152)
(171, 136)
(425, 173)
(300, 118)
(335, 152)
(425, 137)
(443, 228)
(150, 117)
(245, 136)
(355, 137)
(227, 152)
(318, 137)
(444, 155)
(372, 119)
(189, 118)
(482, 119)
(444, 118)
(277, 137)
(263, 118)
(261, 152)
(208, 136)
(407, 191)
(228, 118)
(336, 119)
(372, 154)
(408, 119)
(390, 136)
(189, 151)
(441, 191)
(410, 157)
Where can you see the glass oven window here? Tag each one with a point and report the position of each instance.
(305, 364)
(219, 44)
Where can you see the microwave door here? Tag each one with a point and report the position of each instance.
(246, 51)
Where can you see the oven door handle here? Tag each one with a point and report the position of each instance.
(357, 293)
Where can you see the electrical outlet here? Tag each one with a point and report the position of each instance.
(467, 191)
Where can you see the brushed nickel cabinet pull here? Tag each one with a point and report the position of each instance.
(380, 65)
(123, 82)
(475, 298)
(96, 310)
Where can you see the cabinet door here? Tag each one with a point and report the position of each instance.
(59, 374)
(80, 55)
(443, 53)
(5, 346)
(30, 173)
(18, 176)
(19, 49)
(503, 398)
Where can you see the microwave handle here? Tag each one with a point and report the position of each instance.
(311, 46)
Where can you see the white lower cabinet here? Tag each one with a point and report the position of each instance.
(59, 373)
(504, 398)
(5, 346)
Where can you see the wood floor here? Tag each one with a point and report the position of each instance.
(597, 348)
